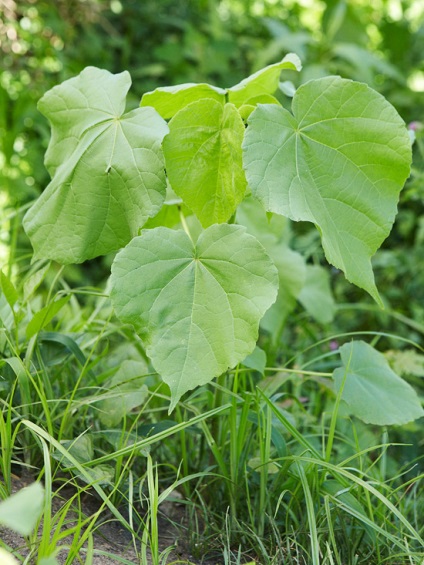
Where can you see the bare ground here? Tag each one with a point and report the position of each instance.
(112, 542)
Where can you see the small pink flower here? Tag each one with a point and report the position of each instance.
(415, 126)
(334, 345)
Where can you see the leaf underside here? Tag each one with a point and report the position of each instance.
(198, 306)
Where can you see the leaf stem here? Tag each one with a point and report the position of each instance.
(335, 414)
(184, 224)
(298, 371)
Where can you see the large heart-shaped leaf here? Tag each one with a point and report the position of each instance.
(79, 104)
(107, 169)
(339, 161)
(204, 161)
(374, 393)
(198, 305)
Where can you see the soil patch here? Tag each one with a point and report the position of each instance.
(112, 542)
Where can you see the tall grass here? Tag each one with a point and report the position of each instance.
(269, 469)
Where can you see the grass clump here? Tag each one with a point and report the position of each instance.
(266, 465)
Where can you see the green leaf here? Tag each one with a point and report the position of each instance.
(7, 317)
(168, 100)
(78, 105)
(263, 82)
(62, 346)
(406, 362)
(336, 490)
(197, 305)
(42, 318)
(339, 161)
(21, 511)
(107, 169)
(81, 448)
(7, 558)
(273, 234)
(256, 360)
(204, 161)
(125, 391)
(373, 392)
(8, 289)
(33, 280)
(291, 272)
(257, 464)
(341, 494)
(316, 296)
(255, 89)
(291, 269)
(50, 560)
(101, 474)
(264, 226)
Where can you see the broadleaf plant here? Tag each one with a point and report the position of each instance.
(198, 304)
(197, 295)
(107, 169)
(339, 160)
(372, 390)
